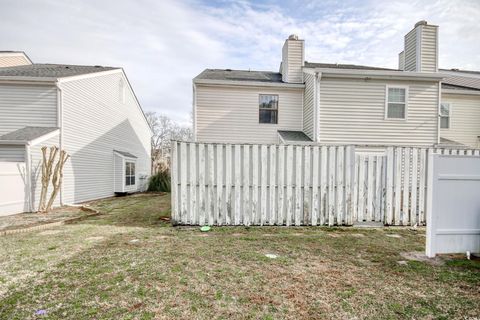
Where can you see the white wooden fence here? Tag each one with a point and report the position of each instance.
(242, 184)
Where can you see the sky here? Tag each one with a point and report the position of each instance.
(162, 45)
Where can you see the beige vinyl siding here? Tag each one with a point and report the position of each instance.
(27, 105)
(429, 48)
(96, 122)
(353, 111)
(13, 59)
(411, 50)
(231, 114)
(464, 119)
(401, 60)
(14, 153)
(308, 105)
(36, 171)
(293, 61)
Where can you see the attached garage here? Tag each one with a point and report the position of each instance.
(17, 177)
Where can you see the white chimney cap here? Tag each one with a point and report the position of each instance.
(421, 23)
(293, 37)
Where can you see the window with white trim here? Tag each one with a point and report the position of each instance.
(396, 103)
(444, 115)
(268, 108)
(129, 173)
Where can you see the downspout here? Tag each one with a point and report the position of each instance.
(194, 113)
(60, 126)
(28, 176)
(316, 107)
(439, 110)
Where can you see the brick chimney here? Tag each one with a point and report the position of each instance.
(421, 48)
(293, 59)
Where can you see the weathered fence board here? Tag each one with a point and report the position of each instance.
(225, 184)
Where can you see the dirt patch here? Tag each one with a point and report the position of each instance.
(358, 235)
(93, 239)
(50, 232)
(420, 256)
(392, 235)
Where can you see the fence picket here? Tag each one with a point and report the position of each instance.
(201, 180)
(315, 186)
(272, 183)
(389, 203)
(183, 180)
(349, 154)
(211, 185)
(413, 198)
(281, 183)
(323, 186)
(298, 185)
(339, 203)
(370, 189)
(306, 187)
(331, 185)
(378, 195)
(406, 186)
(246, 186)
(361, 188)
(238, 183)
(263, 184)
(290, 173)
(255, 212)
(192, 217)
(398, 185)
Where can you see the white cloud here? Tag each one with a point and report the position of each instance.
(164, 44)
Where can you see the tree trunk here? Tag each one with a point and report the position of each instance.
(46, 174)
(57, 178)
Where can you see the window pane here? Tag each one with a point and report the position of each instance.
(268, 116)
(396, 110)
(444, 122)
(445, 109)
(396, 95)
(132, 168)
(132, 180)
(268, 101)
(127, 181)
(127, 168)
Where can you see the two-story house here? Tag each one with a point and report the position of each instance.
(91, 112)
(307, 102)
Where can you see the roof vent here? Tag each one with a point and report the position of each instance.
(97, 66)
(293, 37)
(228, 69)
(421, 23)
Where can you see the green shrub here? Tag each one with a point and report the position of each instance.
(160, 182)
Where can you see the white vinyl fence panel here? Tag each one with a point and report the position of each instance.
(244, 184)
(453, 204)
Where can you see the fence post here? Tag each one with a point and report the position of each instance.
(174, 184)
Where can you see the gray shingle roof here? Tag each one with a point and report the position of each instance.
(293, 136)
(240, 75)
(343, 66)
(125, 154)
(50, 70)
(461, 79)
(27, 133)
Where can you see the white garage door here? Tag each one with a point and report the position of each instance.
(453, 205)
(12, 188)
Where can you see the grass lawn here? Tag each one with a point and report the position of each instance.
(130, 264)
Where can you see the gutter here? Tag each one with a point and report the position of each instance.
(382, 74)
(60, 126)
(249, 83)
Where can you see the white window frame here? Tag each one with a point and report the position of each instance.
(449, 115)
(278, 108)
(393, 86)
(126, 161)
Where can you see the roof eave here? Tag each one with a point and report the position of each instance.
(381, 74)
(460, 91)
(27, 79)
(249, 83)
(13, 142)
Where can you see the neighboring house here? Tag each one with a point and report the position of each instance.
(325, 103)
(13, 58)
(91, 112)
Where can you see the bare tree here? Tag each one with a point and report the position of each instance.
(57, 178)
(47, 165)
(164, 131)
